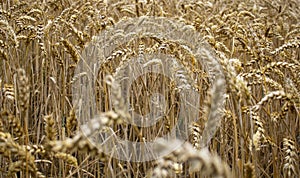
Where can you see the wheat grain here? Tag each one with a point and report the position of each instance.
(290, 167)
(50, 128)
(72, 123)
(200, 160)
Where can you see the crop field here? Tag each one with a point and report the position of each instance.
(150, 88)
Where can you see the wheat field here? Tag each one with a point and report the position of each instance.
(242, 69)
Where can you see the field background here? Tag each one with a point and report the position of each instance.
(256, 43)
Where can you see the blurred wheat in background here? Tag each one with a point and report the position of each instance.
(256, 133)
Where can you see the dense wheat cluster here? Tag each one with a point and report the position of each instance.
(251, 129)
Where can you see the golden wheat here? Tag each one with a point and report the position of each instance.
(251, 131)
